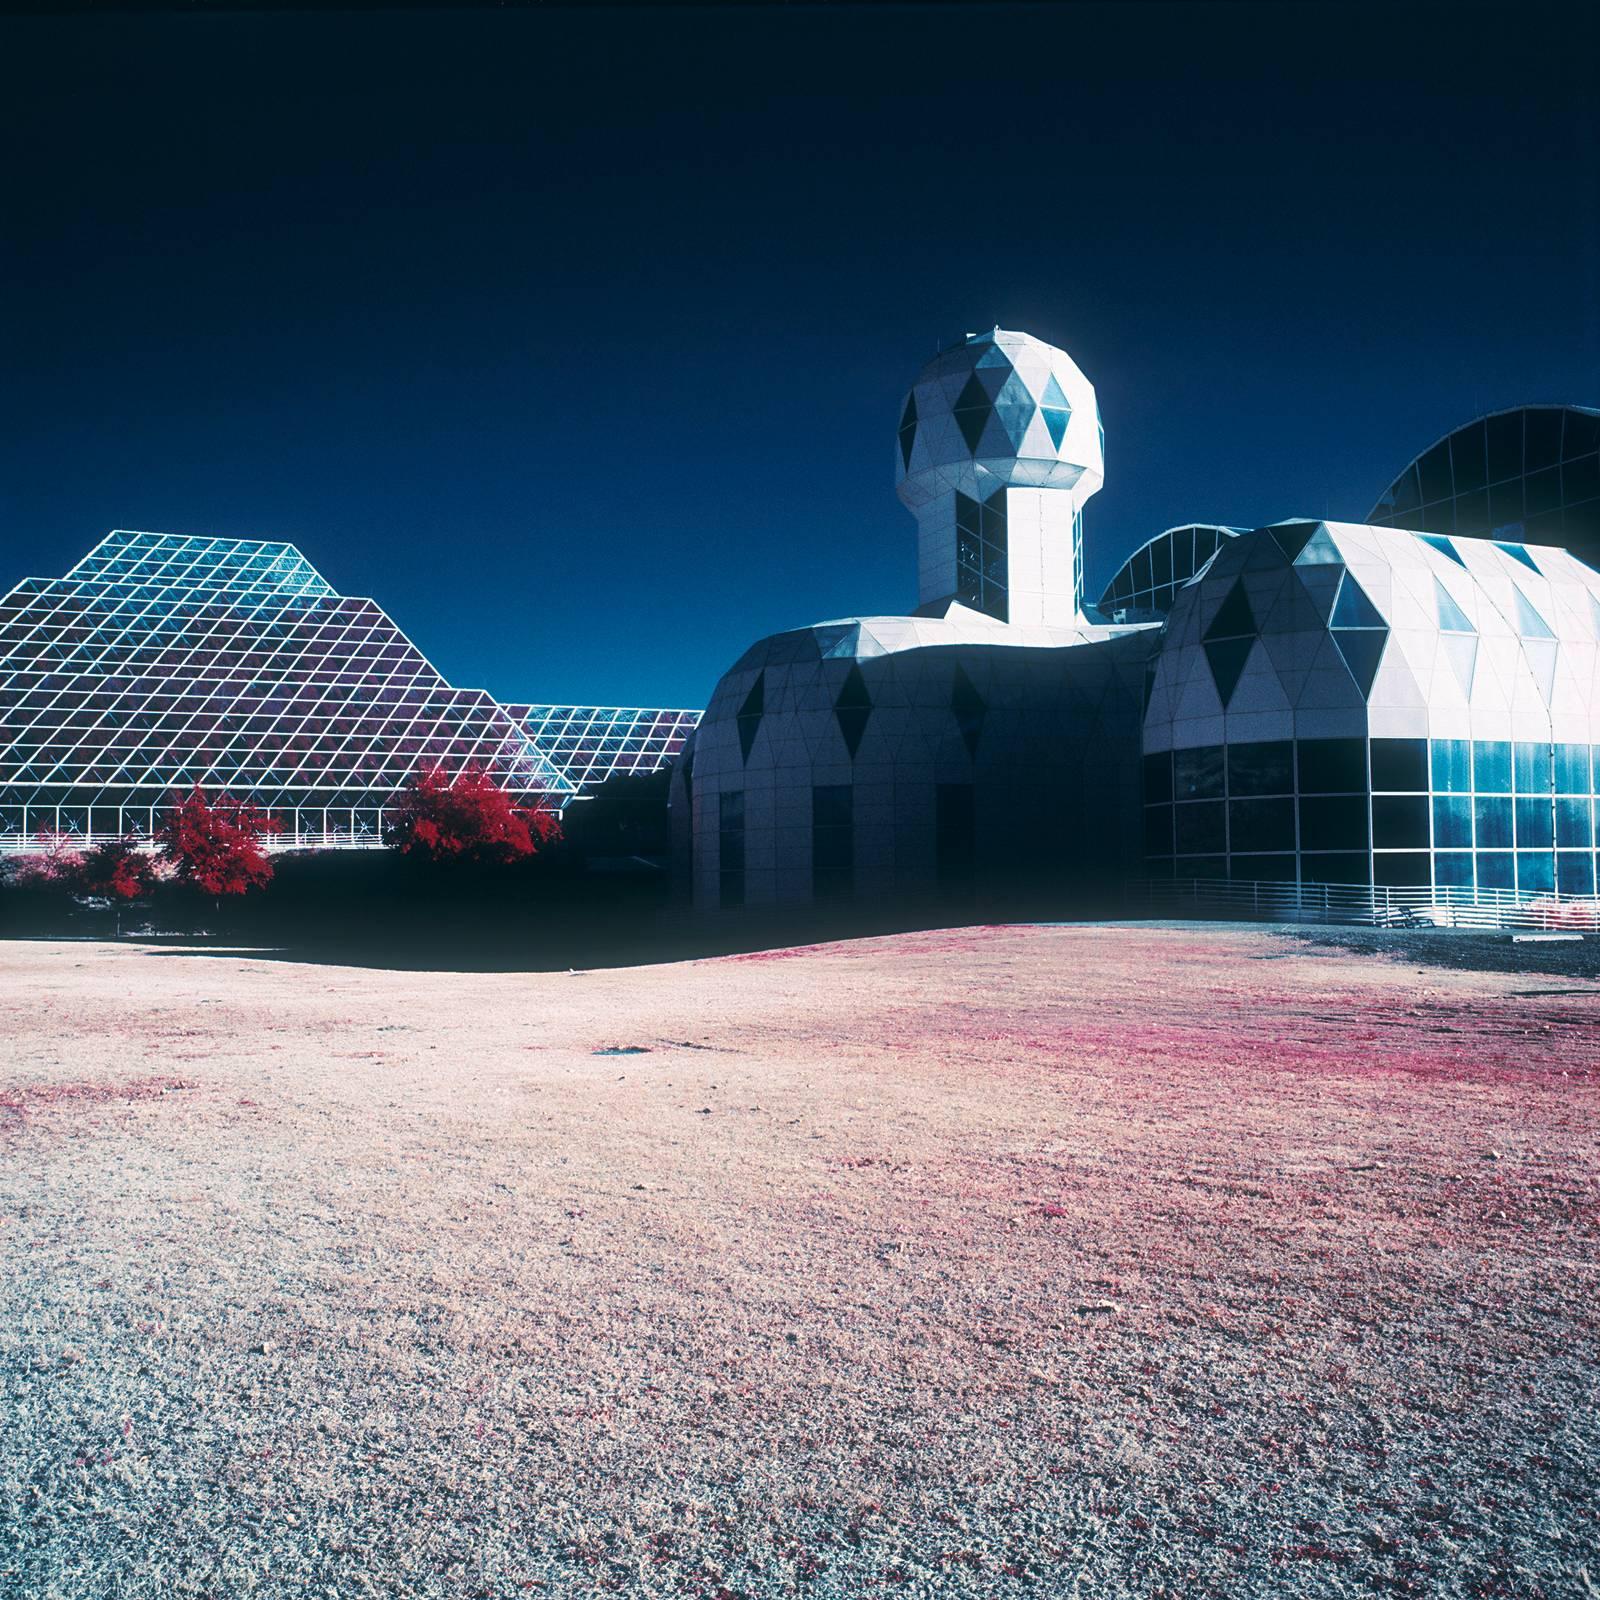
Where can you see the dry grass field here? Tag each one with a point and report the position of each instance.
(1094, 1261)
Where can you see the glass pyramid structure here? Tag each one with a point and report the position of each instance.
(160, 662)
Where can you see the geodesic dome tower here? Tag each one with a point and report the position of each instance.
(1000, 445)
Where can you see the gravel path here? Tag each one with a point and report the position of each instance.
(1101, 1261)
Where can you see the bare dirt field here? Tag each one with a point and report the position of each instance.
(1099, 1261)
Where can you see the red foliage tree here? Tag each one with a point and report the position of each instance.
(216, 845)
(467, 819)
(119, 870)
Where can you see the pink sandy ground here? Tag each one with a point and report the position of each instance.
(1098, 1261)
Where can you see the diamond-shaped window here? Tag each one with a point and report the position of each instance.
(1234, 618)
(852, 708)
(750, 714)
(1359, 631)
(1228, 641)
(1057, 410)
(968, 706)
(908, 430)
(973, 409)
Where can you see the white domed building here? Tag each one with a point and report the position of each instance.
(878, 757)
(1307, 703)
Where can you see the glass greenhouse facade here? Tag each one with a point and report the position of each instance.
(161, 662)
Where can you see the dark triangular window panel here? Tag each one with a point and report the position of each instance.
(972, 409)
(852, 708)
(908, 430)
(1056, 421)
(1353, 609)
(1517, 553)
(968, 706)
(750, 714)
(1234, 618)
(1227, 658)
(1362, 649)
(1444, 545)
(1293, 537)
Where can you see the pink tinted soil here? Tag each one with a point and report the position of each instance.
(1104, 1260)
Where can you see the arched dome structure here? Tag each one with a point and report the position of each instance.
(1530, 475)
(1143, 588)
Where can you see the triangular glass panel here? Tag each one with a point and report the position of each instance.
(1541, 654)
(1319, 550)
(1517, 553)
(969, 708)
(1451, 617)
(1529, 623)
(1443, 544)
(1293, 537)
(1234, 618)
(1353, 609)
(852, 709)
(908, 430)
(992, 377)
(1053, 397)
(1227, 658)
(1056, 421)
(750, 714)
(1362, 649)
(1461, 651)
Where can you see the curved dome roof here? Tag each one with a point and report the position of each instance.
(998, 409)
(1143, 588)
(1527, 475)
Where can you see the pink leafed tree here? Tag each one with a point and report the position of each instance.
(57, 866)
(468, 819)
(216, 845)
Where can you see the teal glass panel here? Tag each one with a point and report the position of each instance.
(1574, 824)
(1452, 765)
(1496, 870)
(1536, 871)
(1493, 819)
(1452, 822)
(1535, 825)
(1575, 872)
(1491, 767)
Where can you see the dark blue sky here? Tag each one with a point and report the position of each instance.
(577, 338)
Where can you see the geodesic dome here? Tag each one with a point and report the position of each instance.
(999, 409)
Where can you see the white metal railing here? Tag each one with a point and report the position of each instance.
(1374, 906)
(272, 843)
